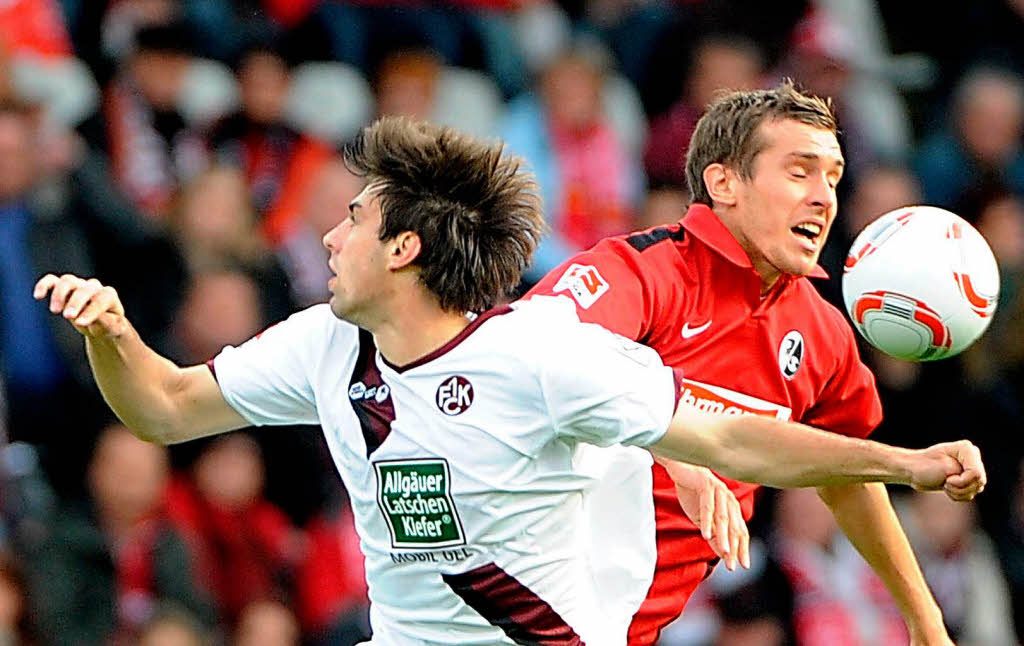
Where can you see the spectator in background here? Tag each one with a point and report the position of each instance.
(221, 307)
(279, 163)
(267, 623)
(108, 565)
(151, 148)
(216, 227)
(962, 569)
(723, 62)
(406, 84)
(34, 28)
(589, 183)
(823, 57)
(14, 616)
(244, 547)
(59, 208)
(173, 627)
(982, 140)
(332, 601)
(302, 253)
(837, 599)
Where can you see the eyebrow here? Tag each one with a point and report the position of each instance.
(817, 158)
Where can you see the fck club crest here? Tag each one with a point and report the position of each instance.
(454, 395)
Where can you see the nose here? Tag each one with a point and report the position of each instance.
(822, 194)
(331, 238)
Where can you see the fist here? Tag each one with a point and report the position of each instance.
(954, 467)
(93, 308)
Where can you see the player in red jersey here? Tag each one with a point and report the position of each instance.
(722, 295)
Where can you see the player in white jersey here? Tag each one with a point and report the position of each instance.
(456, 434)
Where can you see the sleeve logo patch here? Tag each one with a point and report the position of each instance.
(584, 282)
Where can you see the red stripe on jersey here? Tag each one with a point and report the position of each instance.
(508, 604)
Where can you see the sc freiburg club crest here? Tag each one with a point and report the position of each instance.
(791, 353)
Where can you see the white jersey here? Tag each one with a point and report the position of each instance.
(460, 466)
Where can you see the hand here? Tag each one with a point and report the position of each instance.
(94, 309)
(709, 503)
(954, 467)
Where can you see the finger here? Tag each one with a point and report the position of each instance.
(968, 478)
(44, 285)
(59, 295)
(722, 523)
(78, 298)
(970, 458)
(963, 493)
(742, 534)
(745, 549)
(707, 512)
(105, 300)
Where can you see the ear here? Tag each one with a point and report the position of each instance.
(721, 183)
(403, 250)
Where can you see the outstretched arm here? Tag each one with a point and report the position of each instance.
(784, 454)
(158, 400)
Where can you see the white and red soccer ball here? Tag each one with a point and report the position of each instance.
(920, 283)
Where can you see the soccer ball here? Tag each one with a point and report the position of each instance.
(920, 283)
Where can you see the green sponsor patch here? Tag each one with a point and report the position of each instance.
(415, 497)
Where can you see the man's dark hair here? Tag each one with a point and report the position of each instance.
(729, 132)
(476, 210)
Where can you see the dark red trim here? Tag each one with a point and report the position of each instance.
(375, 416)
(506, 603)
(456, 340)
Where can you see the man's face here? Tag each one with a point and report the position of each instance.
(783, 213)
(17, 155)
(358, 258)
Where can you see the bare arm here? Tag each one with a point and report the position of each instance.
(159, 401)
(866, 516)
(783, 454)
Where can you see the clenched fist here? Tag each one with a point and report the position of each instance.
(954, 467)
(93, 308)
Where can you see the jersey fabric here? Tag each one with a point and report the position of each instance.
(460, 466)
(690, 292)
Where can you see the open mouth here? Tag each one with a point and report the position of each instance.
(809, 230)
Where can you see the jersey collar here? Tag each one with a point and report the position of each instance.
(702, 222)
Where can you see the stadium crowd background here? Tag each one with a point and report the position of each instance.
(185, 152)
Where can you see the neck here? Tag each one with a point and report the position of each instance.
(769, 275)
(415, 330)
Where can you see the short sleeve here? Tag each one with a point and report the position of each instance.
(849, 403)
(607, 288)
(604, 389)
(266, 379)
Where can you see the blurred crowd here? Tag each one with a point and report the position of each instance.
(186, 152)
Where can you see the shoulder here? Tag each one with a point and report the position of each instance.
(829, 319)
(313, 326)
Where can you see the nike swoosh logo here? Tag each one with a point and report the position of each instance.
(694, 331)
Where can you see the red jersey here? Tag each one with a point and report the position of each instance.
(689, 291)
